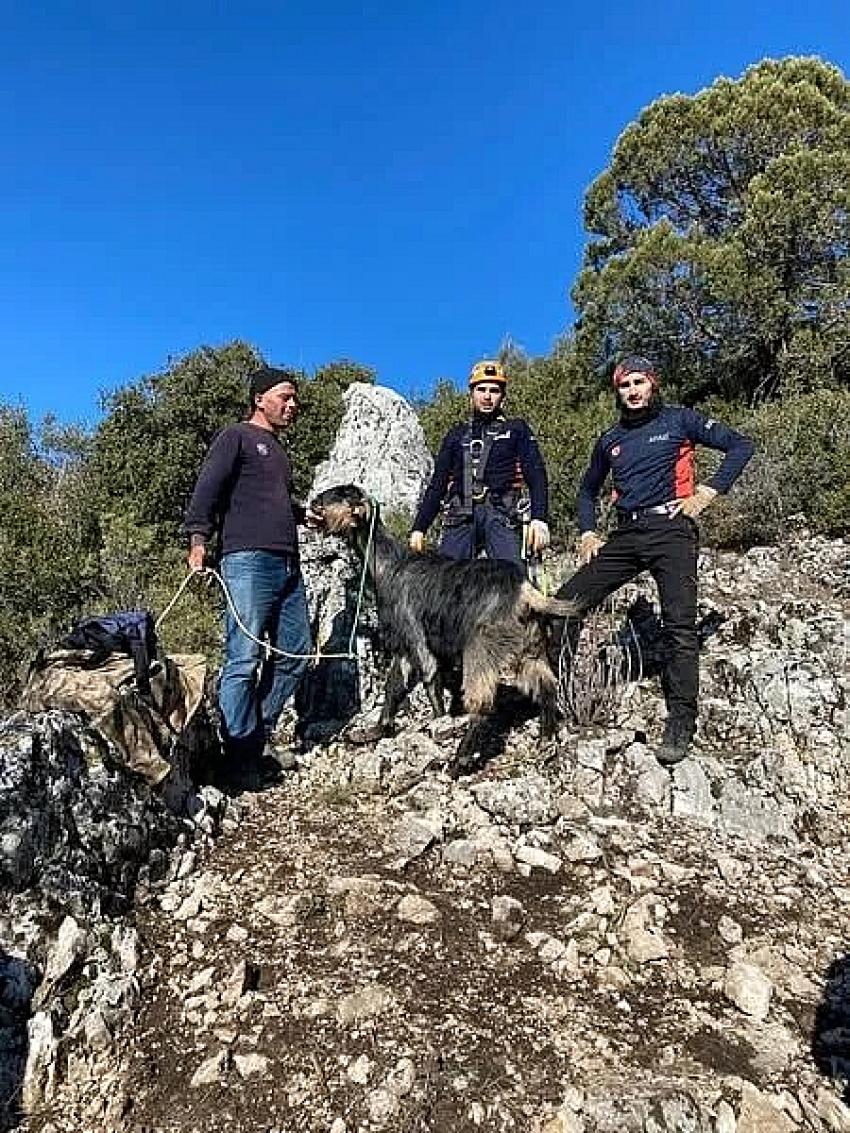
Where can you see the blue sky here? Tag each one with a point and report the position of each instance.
(396, 183)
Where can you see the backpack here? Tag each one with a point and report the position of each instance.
(130, 632)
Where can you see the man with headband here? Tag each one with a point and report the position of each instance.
(649, 455)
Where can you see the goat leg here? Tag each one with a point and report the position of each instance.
(434, 688)
(400, 680)
(548, 714)
(468, 753)
(452, 679)
(429, 671)
(480, 742)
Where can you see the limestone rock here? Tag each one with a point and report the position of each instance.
(724, 1121)
(418, 910)
(565, 1121)
(211, 1071)
(508, 917)
(364, 1004)
(526, 800)
(40, 1071)
(582, 849)
(692, 797)
(676, 1112)
(70, 947)
(644, 940)
(536, 858)
(380, 447)
(760, 1114)
(749, 989)
(413, 835)
(251, 1065)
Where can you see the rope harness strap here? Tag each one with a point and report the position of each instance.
(315, 657)
(476, 453)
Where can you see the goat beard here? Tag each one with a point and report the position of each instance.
(337, 518)
(340, 519)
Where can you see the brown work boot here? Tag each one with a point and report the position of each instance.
(676, 741)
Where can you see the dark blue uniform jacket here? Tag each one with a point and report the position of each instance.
(651, 461)
(514, 456)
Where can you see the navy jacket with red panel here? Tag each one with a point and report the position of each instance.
(651, 460)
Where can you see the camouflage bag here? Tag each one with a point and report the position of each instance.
(151, 735)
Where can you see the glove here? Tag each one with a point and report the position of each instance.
(694, 505)
(417, 541)
(589, 546)
(538, 536)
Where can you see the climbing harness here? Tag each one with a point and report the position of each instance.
(476, 453)
(349, 655)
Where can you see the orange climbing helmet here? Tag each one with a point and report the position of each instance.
(488, 370)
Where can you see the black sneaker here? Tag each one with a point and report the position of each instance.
(270, 771)
(242, 780)
(240, 772)
(676, 741)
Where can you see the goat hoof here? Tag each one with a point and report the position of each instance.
(463, 765)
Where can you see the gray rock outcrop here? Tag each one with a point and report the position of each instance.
(571, 939)
(337, 686)
(380, 447)
(81, 838)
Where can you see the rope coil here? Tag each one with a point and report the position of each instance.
(349, 655)
(594, 677)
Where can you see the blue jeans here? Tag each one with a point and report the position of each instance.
(268, 591)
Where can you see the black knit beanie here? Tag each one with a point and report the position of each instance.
(267, 376)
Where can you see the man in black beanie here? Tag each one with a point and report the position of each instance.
(244, 490)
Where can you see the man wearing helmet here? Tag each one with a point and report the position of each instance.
(478, 475)
(649, 455)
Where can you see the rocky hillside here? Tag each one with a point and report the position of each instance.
(571, 939)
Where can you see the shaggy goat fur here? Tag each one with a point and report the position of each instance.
(437, 613)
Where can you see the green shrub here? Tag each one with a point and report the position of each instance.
(48, 548)
(801, 467)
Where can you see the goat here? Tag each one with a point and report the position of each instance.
(437, 613)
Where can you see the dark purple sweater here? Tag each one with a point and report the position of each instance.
(245, 486)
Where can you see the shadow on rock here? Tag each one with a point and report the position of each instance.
(831, 1037)
(487, 738)
(338, 688)
(18, 980)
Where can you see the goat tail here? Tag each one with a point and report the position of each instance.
(532, 601)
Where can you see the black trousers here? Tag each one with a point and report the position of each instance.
(666, 547)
